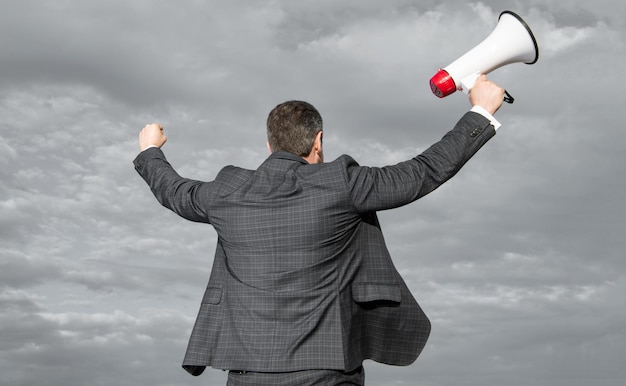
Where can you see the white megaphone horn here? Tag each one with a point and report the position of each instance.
(511, 41)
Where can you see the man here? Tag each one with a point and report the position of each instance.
(302, 288)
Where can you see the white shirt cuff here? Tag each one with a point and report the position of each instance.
(485, 113)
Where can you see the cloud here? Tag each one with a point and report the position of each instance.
(63, 347)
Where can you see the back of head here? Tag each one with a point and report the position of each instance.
(292, 126)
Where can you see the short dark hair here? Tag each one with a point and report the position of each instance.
(292, 126)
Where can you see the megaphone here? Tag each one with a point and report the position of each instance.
(511, 41)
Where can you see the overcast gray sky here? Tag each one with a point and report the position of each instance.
(518, 260)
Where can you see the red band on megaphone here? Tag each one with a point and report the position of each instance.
(442, 84)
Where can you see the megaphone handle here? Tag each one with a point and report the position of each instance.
(508, 98)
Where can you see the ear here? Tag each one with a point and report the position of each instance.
(318, 148)
(317, 144)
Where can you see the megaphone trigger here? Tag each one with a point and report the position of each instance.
(508, 98)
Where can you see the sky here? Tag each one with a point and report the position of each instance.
(518, 260)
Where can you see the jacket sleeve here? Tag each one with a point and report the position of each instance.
(374, 189)
(185, 197)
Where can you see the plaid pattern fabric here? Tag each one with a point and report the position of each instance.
(302, 278)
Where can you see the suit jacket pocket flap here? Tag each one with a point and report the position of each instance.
(370, 292)
(212, 295)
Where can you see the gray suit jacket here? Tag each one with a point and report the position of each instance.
(301, 277)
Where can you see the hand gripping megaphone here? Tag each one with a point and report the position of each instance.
(511, 41)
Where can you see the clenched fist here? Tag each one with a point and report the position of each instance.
(151, 136)
(486, 94)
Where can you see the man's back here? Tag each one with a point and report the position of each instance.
(294, 244)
